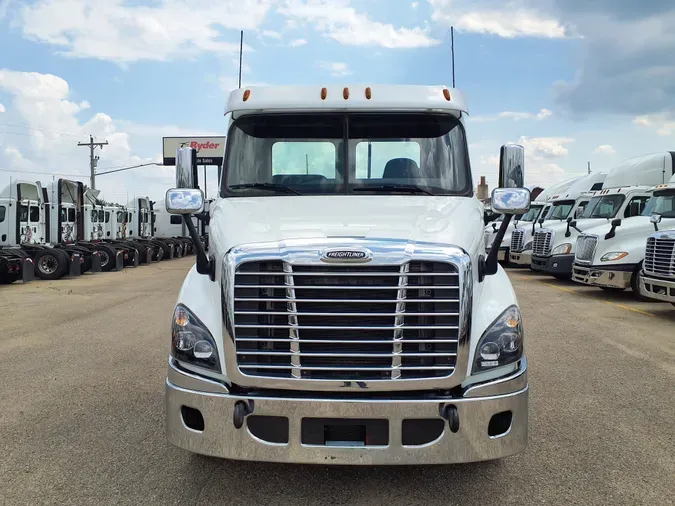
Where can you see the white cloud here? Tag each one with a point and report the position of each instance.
(116, 31)
(546, 147)
(516, 116)
(53, 127)
(605, 149)
(414, 5)
(338, 20)
(513, 20)
(2, 108)
(271, 34)
(336, 69)
(663, 123)
(298, 42)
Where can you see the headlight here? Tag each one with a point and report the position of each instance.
(191, 342)
(562, 249)
(613, 255)
(528, 246)
(502, 342)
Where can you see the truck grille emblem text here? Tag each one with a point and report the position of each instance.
(350, 255)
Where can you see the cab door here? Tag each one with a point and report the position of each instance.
(25, 229)
(36, 222)
(68, 224)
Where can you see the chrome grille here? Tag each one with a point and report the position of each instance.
(660, 256)
(541, 243)
(585, 249)
(517, 238)
(342, 322)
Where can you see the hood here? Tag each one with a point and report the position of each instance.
(633, 225)
(582, 224)
(448, 220)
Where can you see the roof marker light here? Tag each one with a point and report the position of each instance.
(446, 94)
(247, 94)
(324, 93)
(345, 93)
(368, 95)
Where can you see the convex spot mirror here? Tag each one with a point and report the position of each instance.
(512, 166)
(510, 200)
(184, 201)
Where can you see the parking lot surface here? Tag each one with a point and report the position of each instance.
(83, 363)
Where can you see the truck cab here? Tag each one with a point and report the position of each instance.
(611, 256)
(547, 255)
(658, 268)
(346, 310)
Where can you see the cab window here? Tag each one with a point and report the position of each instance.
(3, 209)
(71, 214)
(23, 213)
(64, 214)
(107, 216)
(34, 214)
(101, 216)
(176, 220)
(94, 217)
(635, 206)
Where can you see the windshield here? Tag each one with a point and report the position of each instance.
(314, 154)
(604, 207)
(663, 205)
(532, 214)
(561, 209)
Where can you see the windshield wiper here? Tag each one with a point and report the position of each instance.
(266, 186)
(393, 187)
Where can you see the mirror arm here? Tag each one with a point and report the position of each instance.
(489, 266)
(612, 232)
(205, 265)
(203, 217)
(656, 227)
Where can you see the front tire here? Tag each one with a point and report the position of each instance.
(108, 256)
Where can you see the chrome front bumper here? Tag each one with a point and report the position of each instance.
(657, 289)
(471, 442)
(524, 258)
(600, 277)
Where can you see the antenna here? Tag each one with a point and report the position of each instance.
(589, 167)
(241, 53)
(452, 48)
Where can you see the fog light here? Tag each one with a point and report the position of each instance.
(185, 341)
(202, 350)
(489, 351)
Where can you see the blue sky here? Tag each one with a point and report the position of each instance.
(572, 82)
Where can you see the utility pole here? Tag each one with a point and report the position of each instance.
(452, 48)
(589, 167)
(93, 160)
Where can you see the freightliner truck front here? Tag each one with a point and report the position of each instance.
(345, 310)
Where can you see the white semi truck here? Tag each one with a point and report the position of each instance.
(624, 194)
(610, 256)
(658, 268)
(346, 311)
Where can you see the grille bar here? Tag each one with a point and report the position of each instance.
(346, 322)
(541, 243)
(586, 245)
(517, 240)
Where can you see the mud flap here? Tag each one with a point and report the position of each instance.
(137, 258)
(95, 263)
(75, 268)
(170, 251)
(119, 261)
(27, 270)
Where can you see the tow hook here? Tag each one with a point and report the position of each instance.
(451, 414)
(241, 410)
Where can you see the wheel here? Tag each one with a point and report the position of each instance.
(142, 252)
(635, 283)
(50, 264)
(108, 256)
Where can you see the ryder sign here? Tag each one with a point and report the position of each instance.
(209, 149)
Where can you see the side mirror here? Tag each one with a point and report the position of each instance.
(512, 166)
(655, 219)
(616, 222)
(184, 201)
(569, 219)
(186, 168)
(511, 200)
(612, 231)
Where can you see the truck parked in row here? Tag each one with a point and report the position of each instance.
(288, 340)
(658, 268)
(611, 255)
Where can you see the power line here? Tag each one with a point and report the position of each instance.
(38, 172)
(128, 168)
(39, 129)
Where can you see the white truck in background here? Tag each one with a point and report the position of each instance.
(658, 268)
(567, 206)
(610, 256)
(340, 315)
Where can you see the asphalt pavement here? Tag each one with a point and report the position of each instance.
(82, 369)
